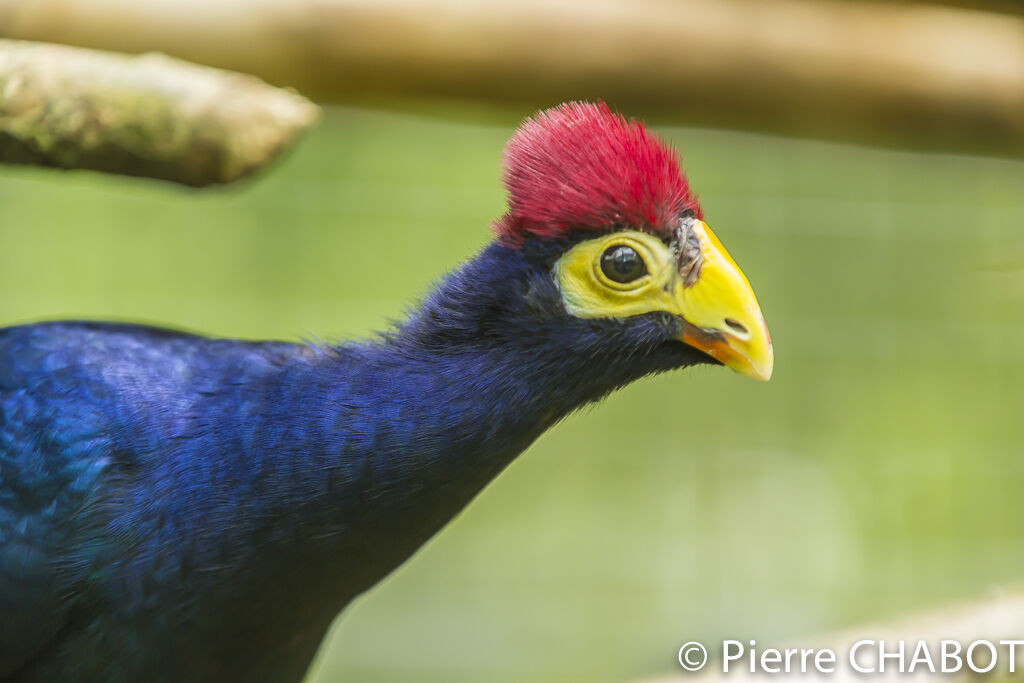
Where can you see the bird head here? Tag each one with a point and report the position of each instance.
(606, 203)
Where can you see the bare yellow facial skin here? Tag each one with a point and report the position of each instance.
(720, 312)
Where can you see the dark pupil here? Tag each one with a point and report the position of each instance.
(622, 264)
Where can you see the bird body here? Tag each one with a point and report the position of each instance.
(175, 507)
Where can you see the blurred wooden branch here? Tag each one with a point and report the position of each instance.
(909, 74)
(1008, 6)
(994, 619)
(147, 116)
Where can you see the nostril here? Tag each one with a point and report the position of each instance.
(737, 327)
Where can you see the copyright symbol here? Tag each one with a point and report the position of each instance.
(693, 656)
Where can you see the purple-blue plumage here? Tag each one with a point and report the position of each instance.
(174, 507)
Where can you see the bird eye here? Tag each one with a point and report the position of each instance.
(622, 264)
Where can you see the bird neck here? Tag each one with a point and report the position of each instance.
(472, 378)
(419, 422)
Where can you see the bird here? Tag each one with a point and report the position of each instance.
(178, 507)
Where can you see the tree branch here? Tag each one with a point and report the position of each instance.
(901, 74)
(150, 115)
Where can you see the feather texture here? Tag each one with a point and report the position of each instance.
(174, 507)
(579, 166)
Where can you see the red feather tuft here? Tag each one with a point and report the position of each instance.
(581, 166)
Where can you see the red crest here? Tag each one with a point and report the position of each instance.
(582, 166)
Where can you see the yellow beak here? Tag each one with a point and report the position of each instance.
(722, 316)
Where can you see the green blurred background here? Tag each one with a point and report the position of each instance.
(878, 472)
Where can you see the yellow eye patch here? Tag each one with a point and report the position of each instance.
(588, 293)
(720, 313)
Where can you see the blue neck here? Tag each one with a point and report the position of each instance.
(399, 435)
(416, 424)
